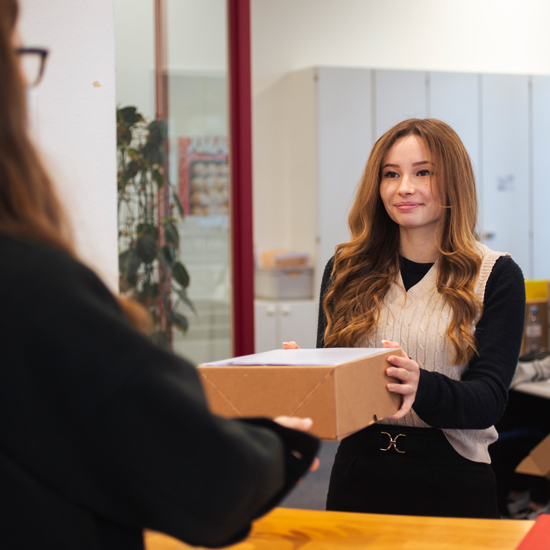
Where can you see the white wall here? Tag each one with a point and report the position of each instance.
(483, 36)
(73, 114)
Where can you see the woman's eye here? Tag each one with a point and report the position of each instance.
(391, 174)
(423, 173)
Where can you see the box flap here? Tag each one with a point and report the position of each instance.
(537, 463)
(270, 395)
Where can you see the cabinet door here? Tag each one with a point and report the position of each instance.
(399, 95)
(344, 138)
(299, 323)
(266, 326)
(541, 176)
(505, 165)
(454, 99)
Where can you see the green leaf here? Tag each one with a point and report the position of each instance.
(185, 299)
(158, 178)
(132, 169)
(178, 202)
(180, 274)
(178, 320)
(147, 248)
(169, 255)
(129, 115)
(124, 137)
(171, 234)
(154, 154)
(147, 229)
(158, 132)
(128, 263)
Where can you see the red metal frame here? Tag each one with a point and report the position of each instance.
(240, 166)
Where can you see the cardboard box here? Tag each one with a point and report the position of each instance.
(342, 390)
(543, 315)
(537, 463)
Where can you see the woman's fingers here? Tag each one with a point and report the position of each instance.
(290, 345)
(407, 372)
(294, 422)
(388, 344)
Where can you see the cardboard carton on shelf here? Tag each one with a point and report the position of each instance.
(343, 390)
(537, 463)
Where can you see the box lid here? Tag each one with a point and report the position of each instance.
(300, 357)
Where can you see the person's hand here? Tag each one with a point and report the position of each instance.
(290, 345)
(408, 372)
(301, 424)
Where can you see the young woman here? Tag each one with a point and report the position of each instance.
(102, 434)
(414, 275)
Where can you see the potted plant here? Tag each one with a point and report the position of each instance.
(150, 269)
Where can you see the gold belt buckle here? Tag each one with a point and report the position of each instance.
(393, 442)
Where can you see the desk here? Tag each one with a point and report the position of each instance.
(540, 389)
(288, 529)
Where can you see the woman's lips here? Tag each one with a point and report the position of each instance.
(407, 206)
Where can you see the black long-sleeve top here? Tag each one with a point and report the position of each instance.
(478, 400)
(103, 434)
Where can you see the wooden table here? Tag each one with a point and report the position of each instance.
(288, 529)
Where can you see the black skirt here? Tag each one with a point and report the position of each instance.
(411, 471)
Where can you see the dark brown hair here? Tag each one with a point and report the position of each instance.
(29, 205)
(365, 267)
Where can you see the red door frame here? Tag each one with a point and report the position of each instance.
(240, 166)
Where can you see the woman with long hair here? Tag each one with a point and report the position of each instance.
(102, 434)
(415, 276)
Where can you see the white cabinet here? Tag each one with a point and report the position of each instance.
(282, 321)
(540, 219)
(505, 186)
(329, 140)
(454, 98)
(399, 95)
(334, 115)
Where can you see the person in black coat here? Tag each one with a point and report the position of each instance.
(103, 434)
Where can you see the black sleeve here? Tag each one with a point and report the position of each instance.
(108, 421)
(322, 319)
(478, 400)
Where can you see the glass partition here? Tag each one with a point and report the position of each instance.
(193, 35)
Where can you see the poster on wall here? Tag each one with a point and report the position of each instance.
(203, 175)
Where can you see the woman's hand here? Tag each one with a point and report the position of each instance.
(301, 424)
(290, 345)
(408, 372)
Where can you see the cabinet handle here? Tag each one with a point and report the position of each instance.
(286, 310)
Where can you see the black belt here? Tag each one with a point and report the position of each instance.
(390, 439)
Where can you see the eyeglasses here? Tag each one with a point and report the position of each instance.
(33, 61)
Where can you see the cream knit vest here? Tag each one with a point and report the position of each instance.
(418, 320)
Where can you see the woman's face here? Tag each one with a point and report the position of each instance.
(408, 187)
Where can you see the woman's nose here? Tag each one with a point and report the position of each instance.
(405, 186)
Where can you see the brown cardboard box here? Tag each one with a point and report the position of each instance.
(538, 461)
(341, 389)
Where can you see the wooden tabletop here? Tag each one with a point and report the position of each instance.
(289, 529)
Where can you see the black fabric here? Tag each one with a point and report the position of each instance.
(479, 399)
(436, 481)
(102, 434)
(524, 424)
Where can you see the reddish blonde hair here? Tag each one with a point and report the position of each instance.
(365, 267)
